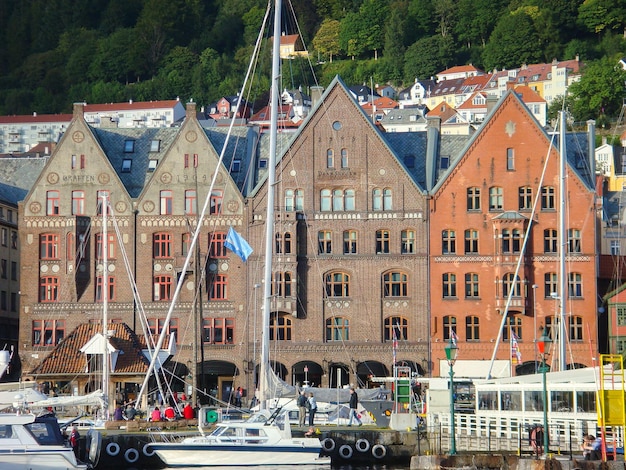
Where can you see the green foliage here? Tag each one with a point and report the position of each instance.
(55, 52)
(600, 91)
(514, 41)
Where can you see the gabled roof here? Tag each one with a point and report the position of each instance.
(112, 141)
(576, 145)
(380, 103)
(18, 176)
(66, 358)
(283, 145)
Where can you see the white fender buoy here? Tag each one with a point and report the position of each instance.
(379, 451)
(131, 455)
(113, 448)
(362, 445)
(328, 444)
(345, 451)
(147, 450)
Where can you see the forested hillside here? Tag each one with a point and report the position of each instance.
(55, 52)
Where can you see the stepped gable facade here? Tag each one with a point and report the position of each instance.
(479, 213)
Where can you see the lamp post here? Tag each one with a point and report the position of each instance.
(535, 286)
(451, 352)
(542, 342)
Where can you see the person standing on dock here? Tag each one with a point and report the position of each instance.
(354, 403)
(302, 399)
(312, 408)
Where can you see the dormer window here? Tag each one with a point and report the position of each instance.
(129, 146)
(155, 145)
(126, 165)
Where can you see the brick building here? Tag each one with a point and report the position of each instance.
(481, 208)
(357, 249)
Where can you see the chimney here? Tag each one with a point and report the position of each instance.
(433, 126)
(191, 110)
(79, 110)
(316, 94)
(491, 102)
(591, 131)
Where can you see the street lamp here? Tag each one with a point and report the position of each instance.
(451, 353)
(542, 342)
(535, 286)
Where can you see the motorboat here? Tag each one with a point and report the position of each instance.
(263, 439)
(36, 443)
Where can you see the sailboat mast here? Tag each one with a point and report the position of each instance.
(269, 218)
(562, 298)
(104, 246)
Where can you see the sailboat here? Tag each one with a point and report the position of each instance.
(263, 439)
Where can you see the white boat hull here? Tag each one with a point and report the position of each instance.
(38, 459)
(202, 455)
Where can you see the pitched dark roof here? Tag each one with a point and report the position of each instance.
(66, 357)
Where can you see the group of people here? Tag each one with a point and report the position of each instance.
(307, 403)
(169, 414)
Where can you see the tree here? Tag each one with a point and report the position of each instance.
(600, 91)
(393, 53)
(476, 19)
(514, 41)
(427, 57)
(600, 15)
(326, 41)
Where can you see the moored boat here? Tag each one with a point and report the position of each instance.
(36, 443)
(261, 440)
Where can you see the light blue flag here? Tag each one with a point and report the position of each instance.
(237, 244)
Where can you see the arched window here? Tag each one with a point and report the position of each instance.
(337, 329)
(395, 284)
(525, 198)
(350, 204)
(576, 328)
(400, 325)
(575, 285)
(382, 241)
(338, 200)
(550, 241)
(547, 198)
(448, 242)
(573, 241)
(472, 330)
(551, 284)
(407, 242)
(350, 242)
(344, 158)
(449, 285)
(513, 323)
(382, 199)
(473, 199)
(337, 284)
(471, 285)
(471, 241)
(330, 158)
(280, 326)
(508, 284)
(449, 324)
(325, 200)
(324, 242)
(496, 198)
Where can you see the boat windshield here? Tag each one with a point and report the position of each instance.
(46, 431)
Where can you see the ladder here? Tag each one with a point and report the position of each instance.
(611, 407)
